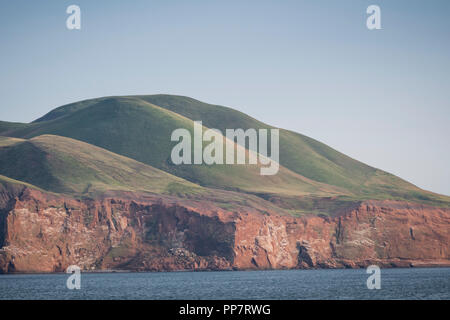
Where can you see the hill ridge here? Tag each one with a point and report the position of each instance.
(123, 124)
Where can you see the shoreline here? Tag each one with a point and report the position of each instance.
(419, 266)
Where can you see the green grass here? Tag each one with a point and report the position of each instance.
(6, 182)
(8, 126)
(301, 154)
(139, 127)
(5, 141)
(140, 130)
(65, 165)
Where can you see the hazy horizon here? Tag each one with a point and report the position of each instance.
(379, 96)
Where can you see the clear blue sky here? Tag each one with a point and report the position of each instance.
(382, 97)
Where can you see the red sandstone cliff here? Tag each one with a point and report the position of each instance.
(41, 232)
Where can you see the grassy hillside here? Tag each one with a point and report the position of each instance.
(12, 184)
(139, 130)
(9, 126)
(65, 165)
(139, 127)
(300, 154)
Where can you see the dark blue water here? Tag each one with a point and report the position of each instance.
(429, 283)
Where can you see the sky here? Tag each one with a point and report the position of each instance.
(379, 96)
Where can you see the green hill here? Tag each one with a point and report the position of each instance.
(65, 165)
(139, 127)
(139, 130)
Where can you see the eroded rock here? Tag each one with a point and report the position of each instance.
(41, 232)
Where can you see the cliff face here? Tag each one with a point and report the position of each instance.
(41, 232)
(385, 233)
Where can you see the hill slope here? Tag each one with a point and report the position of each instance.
(61, 165)
(141, 131)
(65, 165)
(301, 154)
(139, 127)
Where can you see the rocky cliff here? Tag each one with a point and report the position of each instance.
(44, 232)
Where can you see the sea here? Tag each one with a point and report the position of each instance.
(396, 283)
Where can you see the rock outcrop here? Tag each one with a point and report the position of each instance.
(43, 232)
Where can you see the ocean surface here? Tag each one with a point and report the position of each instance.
(426, 283)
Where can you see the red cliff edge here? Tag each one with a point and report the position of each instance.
(42, 232)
